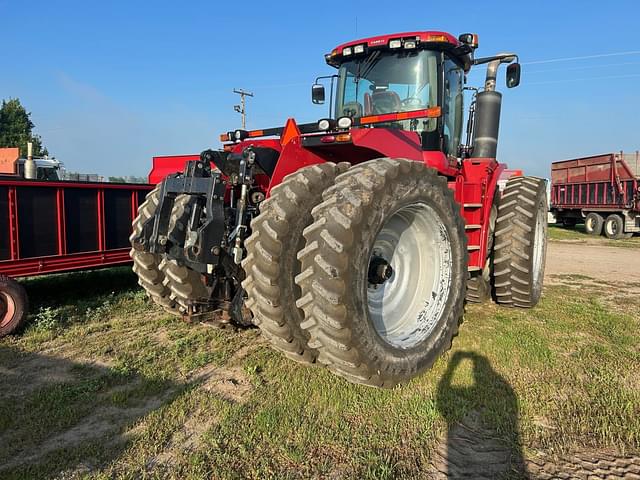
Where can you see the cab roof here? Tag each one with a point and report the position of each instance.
(432, 39)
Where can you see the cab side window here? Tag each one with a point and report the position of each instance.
(452, 106)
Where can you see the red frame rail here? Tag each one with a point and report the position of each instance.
(19, 265)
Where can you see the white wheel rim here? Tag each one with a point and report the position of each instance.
(538, 245)
(406, 308)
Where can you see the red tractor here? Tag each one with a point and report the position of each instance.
(354, 241)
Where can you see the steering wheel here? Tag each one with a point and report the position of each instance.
(410, 102)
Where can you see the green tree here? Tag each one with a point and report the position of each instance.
(16, 128)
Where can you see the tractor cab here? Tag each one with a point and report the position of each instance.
(412, 82)
(409, 79)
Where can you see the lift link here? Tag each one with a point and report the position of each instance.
(245, 178)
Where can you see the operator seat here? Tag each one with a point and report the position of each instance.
(352, 109)
(385, 101)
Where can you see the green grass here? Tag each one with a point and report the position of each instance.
(148, 395)
(577, 234)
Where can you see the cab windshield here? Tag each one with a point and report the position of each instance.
(389, 82)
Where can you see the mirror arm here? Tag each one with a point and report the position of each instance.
(323, 77)
(503, 57)
(492, 69)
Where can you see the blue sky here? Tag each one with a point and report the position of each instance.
(112, 83)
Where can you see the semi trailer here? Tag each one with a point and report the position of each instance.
(601, 191)
(353, 241)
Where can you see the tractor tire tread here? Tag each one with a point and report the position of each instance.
(184, 284)
(331, 319)
(147, 265)
(271, 262)
(514, 283)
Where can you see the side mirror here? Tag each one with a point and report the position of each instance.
(317, 94)
(470, 39)
(513, 75)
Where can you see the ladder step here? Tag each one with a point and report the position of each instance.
(474, 269)
(473, 248)
(472, 205)
(472, 227)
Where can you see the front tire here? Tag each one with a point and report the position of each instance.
(593, 223)
(384, 272)
(521, 242)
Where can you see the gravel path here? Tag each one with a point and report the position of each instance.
(601, 262)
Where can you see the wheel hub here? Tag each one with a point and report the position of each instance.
(380, 270)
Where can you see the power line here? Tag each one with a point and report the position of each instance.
(583, 67)
(585, 57)
(567, 59)
(567, 80)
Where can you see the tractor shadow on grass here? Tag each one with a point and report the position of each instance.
(61, 416)
(483, 439)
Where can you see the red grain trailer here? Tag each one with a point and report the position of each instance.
(62, 226)
(58, 226)
(600, 191)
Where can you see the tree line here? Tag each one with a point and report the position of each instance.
(16, 129)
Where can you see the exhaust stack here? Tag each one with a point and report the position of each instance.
(488, 107)
(30, 169)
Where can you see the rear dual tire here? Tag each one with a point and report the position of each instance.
(368, 324)
(271, 264)
(147, 265)
(169, 284)
(186, 286)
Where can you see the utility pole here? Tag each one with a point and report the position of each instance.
(242, 109)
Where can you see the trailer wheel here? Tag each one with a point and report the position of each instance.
(271, 264)
(593, 223)
(145, 264)
(14, 305)
(521, 242)
(187, 286)
(614, 227)
(384, 272)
